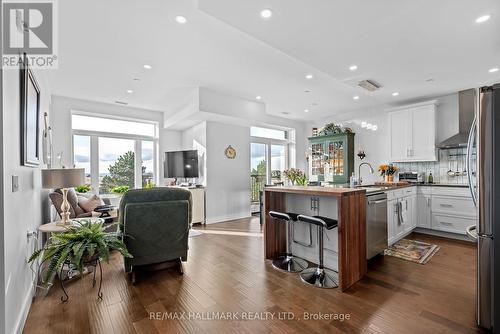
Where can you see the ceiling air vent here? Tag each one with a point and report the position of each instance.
(369, 85)
(121, 102)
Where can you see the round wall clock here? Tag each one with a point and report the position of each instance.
(230, 152)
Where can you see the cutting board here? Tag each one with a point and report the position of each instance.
(392, 184)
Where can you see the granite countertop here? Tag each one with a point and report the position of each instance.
(334, 190)
(457, 185)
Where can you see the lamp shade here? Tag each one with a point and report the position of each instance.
(62, 177)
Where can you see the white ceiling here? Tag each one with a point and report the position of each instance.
(226, 46)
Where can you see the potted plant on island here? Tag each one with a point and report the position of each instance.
(388, 172)
(295, 176)
(83, 242)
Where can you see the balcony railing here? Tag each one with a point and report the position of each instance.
(257, 183)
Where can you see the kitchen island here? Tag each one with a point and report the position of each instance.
(346, 205)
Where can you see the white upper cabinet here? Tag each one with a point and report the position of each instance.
(413, 133)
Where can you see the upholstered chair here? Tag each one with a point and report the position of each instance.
(156, 225)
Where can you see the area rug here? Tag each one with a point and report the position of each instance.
(412, 250)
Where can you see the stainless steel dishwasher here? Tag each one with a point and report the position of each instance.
(376, 223)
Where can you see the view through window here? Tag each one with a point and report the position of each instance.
(269, 158)
(108, 148)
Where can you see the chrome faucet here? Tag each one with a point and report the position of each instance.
(359, 170)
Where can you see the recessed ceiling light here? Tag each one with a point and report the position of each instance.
(395, 94)
(258, 97)
(306, 110)
(355, 97)
(369, 126)
(493, 70)
(374, 128)
(180, 19)
(309, 76)
(363, 124)
(266, 13)
(482, 19)
(129, 91)
(353, 67)
(147, 67)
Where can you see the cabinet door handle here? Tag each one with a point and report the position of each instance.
(446, 205)
(446, 223)
(428, 201)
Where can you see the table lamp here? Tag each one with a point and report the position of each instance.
(63, 178)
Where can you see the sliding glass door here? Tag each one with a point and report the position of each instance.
(258, 174)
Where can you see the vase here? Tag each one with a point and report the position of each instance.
(390, 178)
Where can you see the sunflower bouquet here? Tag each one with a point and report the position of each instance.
(389, 169)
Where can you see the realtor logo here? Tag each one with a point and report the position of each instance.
(29, 27)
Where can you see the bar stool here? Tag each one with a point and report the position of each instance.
(319, 276)
(288, 262)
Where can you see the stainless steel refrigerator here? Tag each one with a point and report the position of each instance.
(484, 182)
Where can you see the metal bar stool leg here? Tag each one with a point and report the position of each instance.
(320, 276)
(288, 262)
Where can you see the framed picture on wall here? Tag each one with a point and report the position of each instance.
(30, 117)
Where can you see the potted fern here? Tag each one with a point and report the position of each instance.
(83, 242)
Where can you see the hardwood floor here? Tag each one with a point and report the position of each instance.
(225, 272)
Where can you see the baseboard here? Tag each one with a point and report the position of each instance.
(21, 321)
(442, 234)
(220, 219)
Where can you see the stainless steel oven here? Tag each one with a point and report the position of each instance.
(376, 223)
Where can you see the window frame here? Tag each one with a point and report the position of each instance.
(94, 147)
(272, 141)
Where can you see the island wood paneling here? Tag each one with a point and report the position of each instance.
(352, 239)
(274, 231)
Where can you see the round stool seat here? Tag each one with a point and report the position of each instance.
(325, 222)
(329, 222)
(284, 216)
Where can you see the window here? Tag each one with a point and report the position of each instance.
(110, 125)
(267, 133)
(116, 164)
(269, 151)
(81, 155)
(109, 148)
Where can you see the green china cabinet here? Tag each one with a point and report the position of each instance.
(332, 158)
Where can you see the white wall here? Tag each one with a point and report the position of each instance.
(228, 180)
(23, 210)
(2, 248)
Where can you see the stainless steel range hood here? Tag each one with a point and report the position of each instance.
(466, 101)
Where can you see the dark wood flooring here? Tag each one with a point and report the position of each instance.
(226, 272)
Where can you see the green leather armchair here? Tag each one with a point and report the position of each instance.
(156, 225)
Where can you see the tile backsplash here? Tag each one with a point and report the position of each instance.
(451, 159)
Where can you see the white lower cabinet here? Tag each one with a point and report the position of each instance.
(445, 209)
(424, 205)
(401, 213)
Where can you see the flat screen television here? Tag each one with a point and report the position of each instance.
(181, 164)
